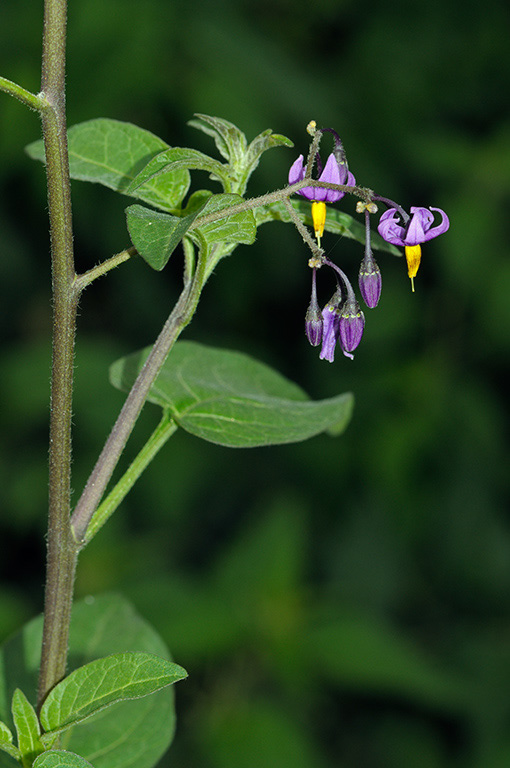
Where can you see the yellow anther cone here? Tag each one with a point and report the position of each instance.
(413, 258)
(319, 219)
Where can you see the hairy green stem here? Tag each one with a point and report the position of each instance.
(112, 450)
(81, 281)
(278, 195)
(29, 99)
(303, 231)
(105, 510)
(62, 550)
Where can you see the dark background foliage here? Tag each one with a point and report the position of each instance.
(341, 602)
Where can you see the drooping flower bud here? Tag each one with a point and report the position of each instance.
(350, 327)
(370, 281)
(313, 318)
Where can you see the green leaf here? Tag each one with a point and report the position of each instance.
(27, 728)
(6, 742)
(230, 399)
(232, 145)
(238, 228)
(113, 153)
(60, 758)
(133, 734)
(337, 222)
(229, 140)
(170, 160)
(156, 235)
(104, 682)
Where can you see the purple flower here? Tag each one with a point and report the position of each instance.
(330, 331)
(333, 173)
(418, 229)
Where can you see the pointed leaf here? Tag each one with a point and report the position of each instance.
(230, 399)
(229, 140)
(260, 144)
(112, 153)
(337, 222)
(134, 734)
(104, 682)
(60, 758)
(170, 160)
(27, 728)
(6, 742)
(156, 235)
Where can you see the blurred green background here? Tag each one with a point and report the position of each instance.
(340, 603)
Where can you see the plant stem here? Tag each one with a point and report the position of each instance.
(156, 441)
(62, 549)
(27, 98)
(107, 461)
(81, 281)
(278, 195)
(303, 231)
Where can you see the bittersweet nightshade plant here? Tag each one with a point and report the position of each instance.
(218, 395)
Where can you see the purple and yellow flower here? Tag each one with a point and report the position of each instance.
(333, 173)
(416, 230)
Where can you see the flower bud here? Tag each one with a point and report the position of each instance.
(370, 281)
(313, 325)
(313, 318)
(351, 326)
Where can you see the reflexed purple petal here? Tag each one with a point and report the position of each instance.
(421, 219)
(334, 174)
(331, 172)
(418, 230)
(389, 229)
(351, 181)
(441, 228)
(309, 193)
(297, 170)
(329, 332)
(297, 173)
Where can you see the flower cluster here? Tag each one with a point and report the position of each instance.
(341, 321)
